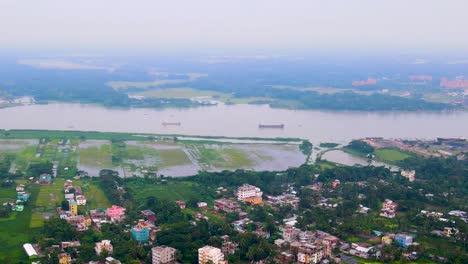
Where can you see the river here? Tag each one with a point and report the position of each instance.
(239, 121)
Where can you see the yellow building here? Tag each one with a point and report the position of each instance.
(253, 200)
(64, 258)
(386, 240)
(73, 207)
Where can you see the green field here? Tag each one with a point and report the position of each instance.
(95, 197)
(99, 156)
(173, 157)
(171, 191)
(391, 154)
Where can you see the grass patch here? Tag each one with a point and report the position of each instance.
(391, 154)
(100, 157)
(173, 157)
(95, 197)
(171, 191)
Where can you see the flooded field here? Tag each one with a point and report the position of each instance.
(16, 144)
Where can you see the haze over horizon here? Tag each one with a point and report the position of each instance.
(416, 26)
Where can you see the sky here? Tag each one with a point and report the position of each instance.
(419, 25)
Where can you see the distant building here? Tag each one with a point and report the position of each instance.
(335, 183)
(80, 200)
(209, 254)
(181, 204)
(388, 209)
(30, 251)
(163, 255)
(73, 207)
(149, 215)
(45, 179)
(227, 205)
(64, 258)
(409, 174)
(403, 240)
(363, 83)
(249, 194)
(202, 205)
(116, 213)
(104, 245)
(67, 244)
(312, 253)
(141, 231)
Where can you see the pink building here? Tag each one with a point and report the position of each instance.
(367, 82)
(116, 213)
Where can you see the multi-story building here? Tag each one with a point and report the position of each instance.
(388, 209)
(227, 205)
(409, 174)
(141, 231)
(249, 194)
(80, 200)
(64, 258)
(209, 254)
(116, 213)
(163, 255)
(73, 207)
(149, 215)
(312, 253)
(104, 245)
(403, 240)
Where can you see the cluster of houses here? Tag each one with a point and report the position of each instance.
(21, 198)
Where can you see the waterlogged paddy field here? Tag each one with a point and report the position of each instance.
(180, 158)
(184, 159)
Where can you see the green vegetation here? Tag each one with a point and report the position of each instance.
(96, 156)
(328, 145)
(173, 157)
(390, 154)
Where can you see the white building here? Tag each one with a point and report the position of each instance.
(103, 245)
(247, 191)
(81, 200)
(163, 254)
(409, 174)
(208, 254)
(30, 250)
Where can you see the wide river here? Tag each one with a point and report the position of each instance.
(239, 121)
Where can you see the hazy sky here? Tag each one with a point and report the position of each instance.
(242, 24)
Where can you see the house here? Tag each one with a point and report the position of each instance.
(450, 231)
(30, 251)
(141, 231)
(73, 207)
(209, 254)
(80, 199)
(229, 248)
(45, 179)
(388, 209)
(335, 183)
(67, 244)
(104, 245)
(149, 215)
(69, 196)
(202, 205)
(226, 205)
(409, 174)
(64, 258)
(249, 194)
(163, 255)
(312, 253)
(20, 188)
(362, 209)
(181, 204)
(403, 240)
(387, 240)
(116, 213)
(22, 196)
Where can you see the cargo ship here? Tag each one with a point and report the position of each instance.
(171, 123)
(278, 126)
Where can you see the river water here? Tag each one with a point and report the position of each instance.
(239, 121)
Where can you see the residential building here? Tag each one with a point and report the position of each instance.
(209, 254)
(104, 245)
(312, 253)
(249, 194)
(73, 207)
(30, 251)
(64, 258)
(111, 260)
(202, 204)
(22, 196)
(45, 179)
(409, 174)
(388, 209)
(403, 240)
(335, 183)
(80, 199)
(163, 255)
(229, 248)
(141, 231)
(149, 215)
(67, 244)
(226, 205)
(116, 213)
(181, 204)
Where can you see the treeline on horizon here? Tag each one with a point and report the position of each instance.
(87, 86)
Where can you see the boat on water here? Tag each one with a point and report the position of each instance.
(171, 123)
(277, 126)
